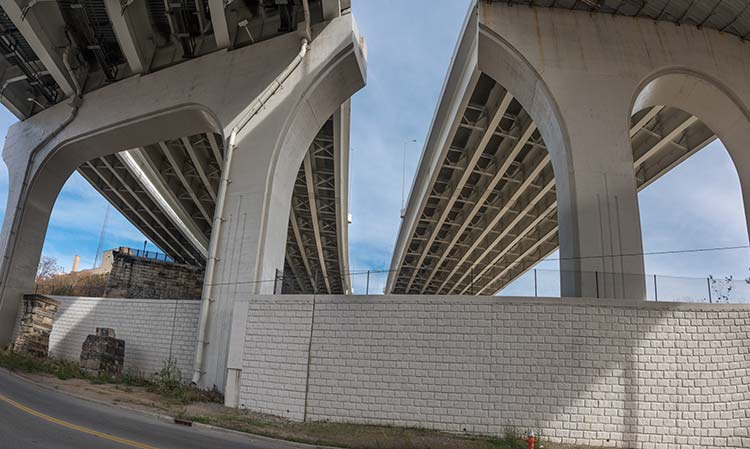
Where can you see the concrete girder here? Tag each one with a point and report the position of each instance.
(467, 80)
(704, 136)
(219, 23)
(131, 26)
(331, 9)
(295, 275)
(341, 133)
(43, 27)
(218, 157)
(505, 158)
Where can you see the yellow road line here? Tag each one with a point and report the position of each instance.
(74, 426)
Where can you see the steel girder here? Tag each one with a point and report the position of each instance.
(490, 217)
(312, 263)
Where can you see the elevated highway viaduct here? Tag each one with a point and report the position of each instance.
(219, 129)
(554, 115)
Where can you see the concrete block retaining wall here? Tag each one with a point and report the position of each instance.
(153, 329)
(622, 374)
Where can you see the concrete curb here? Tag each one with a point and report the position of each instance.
(166, 418)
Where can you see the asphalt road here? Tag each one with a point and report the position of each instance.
(36, 417)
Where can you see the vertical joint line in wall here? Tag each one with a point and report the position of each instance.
(609, 263)
(309, 358)
(602, 244)
(171, 338)
(620, 250)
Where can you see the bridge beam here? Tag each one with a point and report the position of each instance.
(43, 27)
(219, 23)
(132, 27)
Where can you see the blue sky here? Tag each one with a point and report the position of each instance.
(408, 59)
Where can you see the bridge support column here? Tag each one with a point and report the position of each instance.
(583, 117)
(25, 222)
(599, 221)
(265, 164)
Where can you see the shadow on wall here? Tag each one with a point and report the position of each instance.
(623, 375)
(576, 371)
(154, 330)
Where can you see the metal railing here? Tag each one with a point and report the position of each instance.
(153, 255)
(709, 289)
(591, 284)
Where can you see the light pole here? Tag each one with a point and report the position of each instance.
(403, 180)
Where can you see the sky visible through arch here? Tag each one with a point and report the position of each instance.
(696, 205)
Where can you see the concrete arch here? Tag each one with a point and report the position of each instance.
(499, 59)
(712, 102)
(331, 88)
(24, 231)
(264, 169)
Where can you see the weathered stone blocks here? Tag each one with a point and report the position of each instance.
(36, 325)
(103, 354)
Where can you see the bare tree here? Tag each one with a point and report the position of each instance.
(722, 287)
(48, 268)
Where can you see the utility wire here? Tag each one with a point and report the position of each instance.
(650, 253)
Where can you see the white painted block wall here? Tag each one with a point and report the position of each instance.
(625, 374)
(154, 330)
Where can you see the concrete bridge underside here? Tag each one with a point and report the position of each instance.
(166, 189)
(152, 131)
(596, 116)
(491, 213)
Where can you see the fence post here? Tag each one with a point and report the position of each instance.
(367, 288)
(596, 276)
(708, 283)
(536, 290)
(656, 290)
